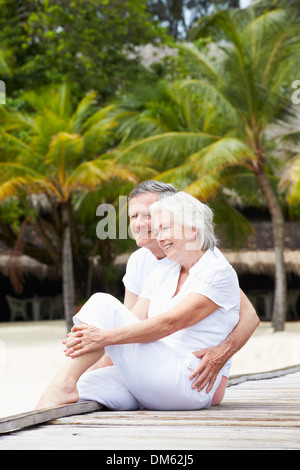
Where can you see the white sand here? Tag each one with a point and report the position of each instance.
(30, 354)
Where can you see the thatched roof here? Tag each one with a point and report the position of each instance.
(249, 261)
(262, 261)
(26, 265)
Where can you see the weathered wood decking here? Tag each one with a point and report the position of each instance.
(259, 412)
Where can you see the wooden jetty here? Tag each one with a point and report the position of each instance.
(259, 412)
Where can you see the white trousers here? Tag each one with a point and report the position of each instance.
(145, 375)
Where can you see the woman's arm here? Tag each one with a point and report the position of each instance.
(192, 309)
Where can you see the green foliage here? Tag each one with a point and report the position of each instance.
(13, 211)
(211, 130)
(57, 153)
(86, 42)
(180, 15)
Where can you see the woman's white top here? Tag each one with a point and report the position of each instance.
(213, 277)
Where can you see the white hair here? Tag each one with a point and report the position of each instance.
(188, 211)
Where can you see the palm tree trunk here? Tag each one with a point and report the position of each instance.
(280, 298)
(67, 269)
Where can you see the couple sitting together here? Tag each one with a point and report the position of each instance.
(184, 316)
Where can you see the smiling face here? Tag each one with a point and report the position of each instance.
(174, 238)
(140, 219)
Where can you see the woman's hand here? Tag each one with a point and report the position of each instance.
(83, 339)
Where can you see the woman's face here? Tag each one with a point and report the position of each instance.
(173, 238)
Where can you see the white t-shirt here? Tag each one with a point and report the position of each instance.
(213, 277)
(139, 267)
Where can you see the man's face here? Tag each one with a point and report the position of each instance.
(140, 219)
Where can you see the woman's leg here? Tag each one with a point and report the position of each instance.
(101, 310)
(62, 389)
(153, 372)
(105, 385)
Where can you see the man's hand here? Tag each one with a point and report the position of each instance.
(212, 361)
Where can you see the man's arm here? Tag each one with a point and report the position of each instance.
(130, 299)
(213, 359)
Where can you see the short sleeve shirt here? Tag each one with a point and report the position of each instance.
(140, 265)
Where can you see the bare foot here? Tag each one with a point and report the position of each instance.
(58, 394)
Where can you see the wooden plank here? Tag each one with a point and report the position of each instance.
(257, 414)
(32, 418)
(237, 379)
(51, 437)
(224, 415)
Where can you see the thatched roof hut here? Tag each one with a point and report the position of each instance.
(18, 268)
(262, 262)
(257, 262)
(27, 265)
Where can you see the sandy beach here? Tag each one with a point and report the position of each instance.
(30, 354)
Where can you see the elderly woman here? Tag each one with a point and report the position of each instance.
(189, 302)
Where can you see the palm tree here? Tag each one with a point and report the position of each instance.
(55, 152)
(163, 125)
(243, 91)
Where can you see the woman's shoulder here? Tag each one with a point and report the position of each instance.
(213, 263)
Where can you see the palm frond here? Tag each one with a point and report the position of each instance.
(224, 153)
(16, 176)
(232, 227)
(82, 112)
(170, 148)
(209, 94)
(101, 115)
(64, 151)
(205, 188)
(90, 174)
(11, 187)
(55, 99)
(292, 136)
(196, 62)
(180, 176)
(16, 144)
(19, 169)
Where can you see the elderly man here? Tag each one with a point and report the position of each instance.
(144, 260)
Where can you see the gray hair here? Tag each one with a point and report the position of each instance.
(188, 211)
(151, 186)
